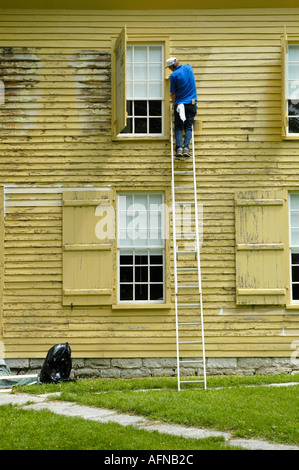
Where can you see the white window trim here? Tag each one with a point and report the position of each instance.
(128, 98)
(132, 249)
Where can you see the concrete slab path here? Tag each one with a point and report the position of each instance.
(44, 402)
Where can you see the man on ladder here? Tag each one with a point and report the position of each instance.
(184, 98)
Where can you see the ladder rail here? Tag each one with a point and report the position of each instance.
(174, 257)
(176, 252)
(198, 259)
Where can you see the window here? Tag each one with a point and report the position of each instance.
(138, 86)
(141, 248)
(144, 89)
(294, 246)
(293, 89)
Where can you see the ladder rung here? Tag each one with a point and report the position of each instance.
(191, 323)
(190, 235)
(187, 269)
(180, 188)
(184, 218)
(182, 203)
(191, 360)
(189, 305)
(188, 287)
(191, 381)
(190, 342)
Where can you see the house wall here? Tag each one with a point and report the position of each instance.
(55, 133)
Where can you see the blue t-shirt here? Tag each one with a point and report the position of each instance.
(182, 83)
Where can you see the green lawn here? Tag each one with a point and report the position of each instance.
(229, 404)
(22, 429)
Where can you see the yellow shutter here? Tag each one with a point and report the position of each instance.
(88, 232)
(260, 247)
(284, 85)
(119, 81)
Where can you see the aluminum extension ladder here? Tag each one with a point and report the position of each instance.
(186, 255)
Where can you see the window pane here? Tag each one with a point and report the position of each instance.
(140, 90)
(293, 125)
(155, 108)
(293, 71)
(295, 219)
(141, 274)
(140, 125)
(295, 274)
(156, 274)
(141, 259)
(294, 201)
(140, 108)
(140, 54)
(155, 54)
(295, 291)
(155, 89)
(141, 292)
(126, 259)
(126, 274)
(293, 53)
(129, 89)
(293, 107)
(158, 259)
(155, 71)
(130, 108)
(293, 89)
(140, 71)
(295, 236)
(155, 125)
(126, 292)
(129, 53)
(156, 291)
(129, 72)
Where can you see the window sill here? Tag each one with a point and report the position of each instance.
(290, 137)
(143, 138)
(141, 306)
(292, 307)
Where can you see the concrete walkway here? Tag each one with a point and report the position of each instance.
(41, 402)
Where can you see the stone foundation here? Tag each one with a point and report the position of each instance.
(159, 367)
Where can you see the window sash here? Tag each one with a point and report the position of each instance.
(148, 211)
(294, 246)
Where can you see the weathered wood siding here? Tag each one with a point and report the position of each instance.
(55, 132)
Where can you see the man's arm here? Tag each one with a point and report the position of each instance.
(172, 97)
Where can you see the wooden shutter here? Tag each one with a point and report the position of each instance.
(260, 247)
(284, 85)
(119, 71)
(87, 247)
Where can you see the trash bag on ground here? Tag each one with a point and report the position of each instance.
(57, 365)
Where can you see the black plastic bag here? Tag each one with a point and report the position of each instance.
(57, 365)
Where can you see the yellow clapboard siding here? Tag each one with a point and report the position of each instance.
(55, 131)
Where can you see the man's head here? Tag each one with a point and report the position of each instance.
(172, 63)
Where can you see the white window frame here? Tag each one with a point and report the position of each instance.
(131, 97)
(287, 80)
(146, 249)
(292, 248)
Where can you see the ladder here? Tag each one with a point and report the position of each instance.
(186, 254)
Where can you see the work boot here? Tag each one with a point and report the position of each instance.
(186, 153)
(179, 152)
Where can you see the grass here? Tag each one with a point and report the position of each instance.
(22, 429)
(249, 412)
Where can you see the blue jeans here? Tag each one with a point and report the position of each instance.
(179, 125)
